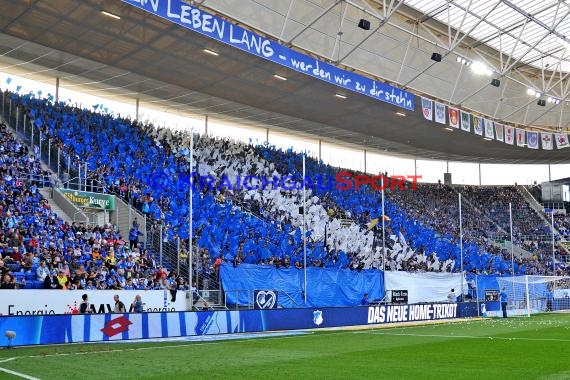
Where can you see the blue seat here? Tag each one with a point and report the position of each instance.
(31, 276)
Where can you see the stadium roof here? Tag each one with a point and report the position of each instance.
(142, 56)
(530, 31)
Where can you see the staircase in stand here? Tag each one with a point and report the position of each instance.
(47, 194)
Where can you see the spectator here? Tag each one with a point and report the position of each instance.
(137, 305)
(452, 297)
(62, 279)
(119, 305)
(134, 234)
(85, 306)
(51, 281)
(504, 300)
(42, 272)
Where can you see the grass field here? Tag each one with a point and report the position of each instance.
(516, 348)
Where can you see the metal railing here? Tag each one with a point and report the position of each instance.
(85, 184)
(43, 146)
(236, 294)
(558, 207)
(212, 298)
(92, 218)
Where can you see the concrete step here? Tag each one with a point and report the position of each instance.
(46, 193)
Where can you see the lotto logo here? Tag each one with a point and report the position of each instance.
(116, 326)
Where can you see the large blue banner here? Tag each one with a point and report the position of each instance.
(77, 328)
(190, 17)
(325, 286)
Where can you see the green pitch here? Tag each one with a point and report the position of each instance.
(516, 348)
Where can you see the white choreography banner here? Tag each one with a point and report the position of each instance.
(426, 287)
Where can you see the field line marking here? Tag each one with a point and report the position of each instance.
(7, 360)
(474, 337)
(18, 374)
(244, 340)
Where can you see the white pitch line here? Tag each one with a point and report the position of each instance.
(474, 337)
(241, 340)
(7, 360)
(18, 374)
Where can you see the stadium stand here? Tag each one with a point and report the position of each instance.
(41, 250)
(149, 167)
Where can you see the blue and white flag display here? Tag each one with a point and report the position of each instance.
(440, 113)
(427, 108)
(532, 140)
(489, 133)
(465, 121)
(547, 143)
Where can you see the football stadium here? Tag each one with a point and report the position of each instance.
(291, 189)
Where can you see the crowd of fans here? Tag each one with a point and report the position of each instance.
(41, 250)
(562, 224)
(151, 168)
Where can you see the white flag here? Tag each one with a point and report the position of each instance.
(499, 131)
(521, 137)
(440, 113)
(509, 135)
(478, 125)
(547, 143)
(454, 117)
(489, 132)
(427, 108)
(561, 140)
(465, 121)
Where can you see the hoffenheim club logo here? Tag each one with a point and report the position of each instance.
(266, 299)
(318, 317)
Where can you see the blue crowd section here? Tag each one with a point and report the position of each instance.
(120, 150)
(117, 149)
(366, 201)
(325, 286)
(483, 283)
